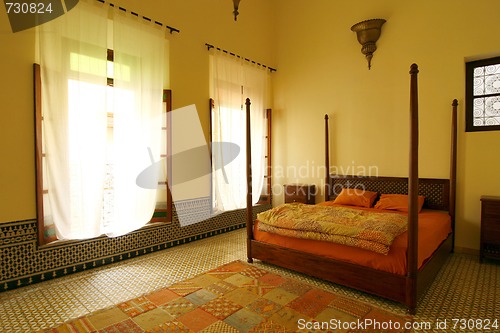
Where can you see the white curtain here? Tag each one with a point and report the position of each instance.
(232, 81)
(256, 87)
(138, 88)
(95, 136)
(73, 69)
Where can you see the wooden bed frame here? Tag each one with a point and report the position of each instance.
(440, 194)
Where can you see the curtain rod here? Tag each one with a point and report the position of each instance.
(209, 46)
(143, 17)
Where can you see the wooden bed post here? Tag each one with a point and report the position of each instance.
(412, 252)
(249, 212)
(453, 168)
(327, 161)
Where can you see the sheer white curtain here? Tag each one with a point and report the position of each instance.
(73, 71)
(256, 87)
(99, 137)
(232, 81)
(138, 87)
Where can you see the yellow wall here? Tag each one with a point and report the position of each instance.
(322, 71)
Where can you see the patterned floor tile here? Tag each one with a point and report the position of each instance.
(347, 305)
(382, 318)
(87, 292)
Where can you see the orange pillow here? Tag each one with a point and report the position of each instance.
(356, 197)
(397, 202)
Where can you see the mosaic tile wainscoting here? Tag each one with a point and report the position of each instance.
(23, 262)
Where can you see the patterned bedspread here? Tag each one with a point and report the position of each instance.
(368, 230)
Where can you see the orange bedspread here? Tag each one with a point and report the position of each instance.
(434, 227)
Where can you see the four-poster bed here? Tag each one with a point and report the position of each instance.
(374, 273)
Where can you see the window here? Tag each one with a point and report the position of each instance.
(483, 95)
(232, 81)
(100, 125)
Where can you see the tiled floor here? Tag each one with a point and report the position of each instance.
(463, 289)
(49, 303)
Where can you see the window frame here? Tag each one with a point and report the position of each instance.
(469, 94)
(265, 198)
(165, 214)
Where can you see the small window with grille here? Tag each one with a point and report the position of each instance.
(483, 95)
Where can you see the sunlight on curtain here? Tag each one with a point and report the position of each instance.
(97, 138)
(138, 58)
(232, 81)
(256, 87)
(72, 97)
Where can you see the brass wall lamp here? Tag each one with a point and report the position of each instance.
(368, 33)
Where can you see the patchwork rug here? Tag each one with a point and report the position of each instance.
(238, 297)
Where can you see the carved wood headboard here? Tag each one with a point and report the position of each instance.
(436, 191)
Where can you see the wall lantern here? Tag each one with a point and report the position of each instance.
(368, 33)
(235, 12)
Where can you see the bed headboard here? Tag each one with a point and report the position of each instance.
(436, 191)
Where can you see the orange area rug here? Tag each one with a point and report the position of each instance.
(238, 297)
